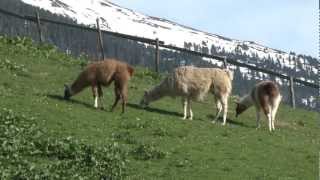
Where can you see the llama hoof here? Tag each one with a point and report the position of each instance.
(213, 122)
(271, 130)
(223, 124)
(190, 118)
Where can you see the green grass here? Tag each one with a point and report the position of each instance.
(150, 144)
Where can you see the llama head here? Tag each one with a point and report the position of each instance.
(145, 100)
(240, 109)
(240, 106)
(67, 92)
(243, 104)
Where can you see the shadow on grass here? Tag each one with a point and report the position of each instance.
(232, 122)
(60, 98)
(172, 113)
(155, 110)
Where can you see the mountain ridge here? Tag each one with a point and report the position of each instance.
(139, 18)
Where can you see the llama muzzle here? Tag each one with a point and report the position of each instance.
(67, 93)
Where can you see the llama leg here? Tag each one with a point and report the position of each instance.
(258, 117)
(184, 104)
(95, 95)
(219, 109)
(275, 110)
(123, 89)
(117, 98)
(269, 115)
(273, 115)
(272, 121)
(225, 109)
(124, 99)
(267, 111)
(100, 93)
(189, 109)
(96, 102)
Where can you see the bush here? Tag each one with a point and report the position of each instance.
(22, 143)
(146, 152)
(16, 69)
(146, 73)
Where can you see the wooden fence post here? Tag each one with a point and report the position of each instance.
(39, 26)
(100, 39)
(292, 96)
(225, 62)
(157, 58)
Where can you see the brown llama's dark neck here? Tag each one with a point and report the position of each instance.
(78, 86)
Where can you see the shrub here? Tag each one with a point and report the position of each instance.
(22, 142)
(16, 69)
(146, 152)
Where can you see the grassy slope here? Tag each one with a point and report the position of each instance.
(194, 149)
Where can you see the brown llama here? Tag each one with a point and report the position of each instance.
(103, 73)
(192, 83)
(266, 97)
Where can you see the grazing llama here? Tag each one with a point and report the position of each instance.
(264, 96)
(103, 73)
(193, 83)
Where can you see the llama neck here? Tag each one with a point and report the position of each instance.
(156, 93)
(246, 100)
(77, 86)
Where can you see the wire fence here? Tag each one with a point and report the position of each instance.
(153, 53)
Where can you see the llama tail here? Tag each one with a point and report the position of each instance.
(130, 70)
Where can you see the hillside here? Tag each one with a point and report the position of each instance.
(119, 19)
(43, 136)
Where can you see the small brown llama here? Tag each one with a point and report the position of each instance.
(103, 73)
(266, 97)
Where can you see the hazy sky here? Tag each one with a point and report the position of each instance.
(289, 25)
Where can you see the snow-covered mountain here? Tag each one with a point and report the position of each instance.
(118, 19)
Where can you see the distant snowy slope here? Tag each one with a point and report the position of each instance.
(118, 19)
